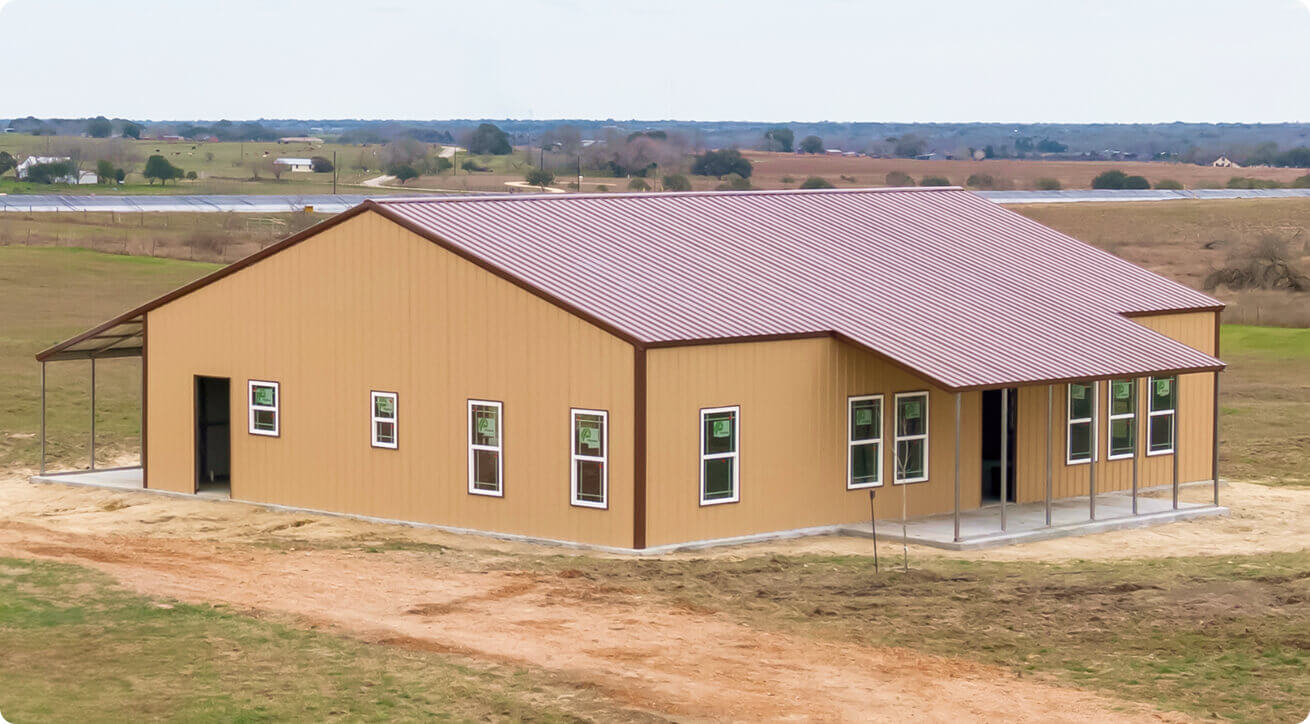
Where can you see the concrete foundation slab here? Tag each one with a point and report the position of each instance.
(1026, 522)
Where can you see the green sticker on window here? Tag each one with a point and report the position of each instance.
(1122, 391)
(264, 396)
(386, 406)
(487, 426)
(1162, 388)
(863, 416)
(589, 436)
(722, 428)
(912, 408)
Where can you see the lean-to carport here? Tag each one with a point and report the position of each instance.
(117, 338)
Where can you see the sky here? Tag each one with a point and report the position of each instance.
(1071, 61)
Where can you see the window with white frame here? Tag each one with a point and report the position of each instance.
(383, 406)
(911, 437)
(1123, 419)
(864, 442)
(1080, 437)
(486, 448)
(1163, 415)
(264, 400)
(589, 446)
(719, 436)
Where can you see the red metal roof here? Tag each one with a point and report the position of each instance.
(942, 281)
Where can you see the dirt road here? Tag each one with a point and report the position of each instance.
(685, 664)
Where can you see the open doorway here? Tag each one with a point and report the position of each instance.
(213, 436)
(994, 423)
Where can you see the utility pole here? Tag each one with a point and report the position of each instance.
(334, 173)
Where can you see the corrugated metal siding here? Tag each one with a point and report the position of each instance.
(943, 281)
(367, 305)
(793, 397)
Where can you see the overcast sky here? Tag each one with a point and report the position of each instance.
(841, 60)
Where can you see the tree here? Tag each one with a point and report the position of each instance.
(721, 163)
(131, 130)
(1168, 183)
(104, 171)
(442, 164)
(638, 184)
(779, 139)
(1046, 183)
(676, 182)
(119, 175)
(48, 173)
(981, 181)
(99, 127)
(403, 172)
(7, 162)
(320, 164)
(1110, 180)
(1046, 145)
(935, 181)
(158, 167)
(540, 177)
(812, 144)
(816, 182)
(488, 139)
(192, 176)
(909, 146)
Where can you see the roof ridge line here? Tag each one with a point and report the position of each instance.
(664, 194)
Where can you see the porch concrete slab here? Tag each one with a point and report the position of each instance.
(120, 478)
(1026, 522)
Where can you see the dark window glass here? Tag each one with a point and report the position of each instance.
(386, 431)
(1123, 436)
(718, 478)
(591, 480)
(486, 475)
(1080, 441)
(864, 463)
(266, 420)
(909, 459)
(720, 432)
(1080, 401)
(1162, 433)
(1163, 393)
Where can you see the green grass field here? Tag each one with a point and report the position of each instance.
(75, 647)
(58, 292)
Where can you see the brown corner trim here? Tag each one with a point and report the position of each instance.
(638, 448)
(145, 398)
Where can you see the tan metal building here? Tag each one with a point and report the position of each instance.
(647, 370)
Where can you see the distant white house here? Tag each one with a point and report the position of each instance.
(311, 140)
(1225, 162)
(296, 165)
(76, 177)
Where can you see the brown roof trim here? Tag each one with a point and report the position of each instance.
(1184, 310)
(206, 280)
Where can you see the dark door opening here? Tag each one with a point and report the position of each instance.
(992, 425)
(213, 435)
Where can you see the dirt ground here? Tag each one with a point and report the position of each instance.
(432, 590)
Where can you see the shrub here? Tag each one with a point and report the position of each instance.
(48, 173)
(602, 188)
(104, 171)
(676, 182)
(981, 181)
(1109, 180)
(935, 181)
(788, 180)
(191, 176)
(733, 182)
(1301, 182)
(1266, 264)
(403, 172)
(471, 166)
(1169, 184)
(539, 177)
(721, 163)
(1136, 182)
(158, 167)
(1247, 182)
(899, 178)
(320, 164)
(816, 182)
(638, 184)
(1047, 183)
(119, 175)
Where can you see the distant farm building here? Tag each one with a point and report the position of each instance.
(76, 177)
(310, 140)
(296, 165)
(643, 371)
(1225, 162)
